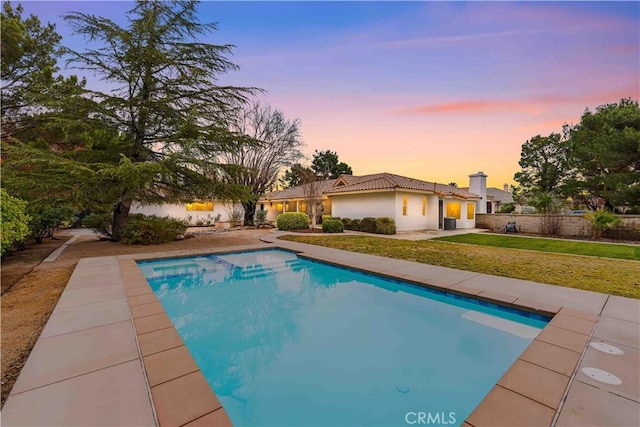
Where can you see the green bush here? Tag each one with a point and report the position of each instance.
(15, 222)
(355, 225)
(325, 217)
(292, 221)
(507, 208)
(100, 221)
(346, 222)
(45, 220)
(385, 225)
(368, 225)
(148, 230)
(332, 226)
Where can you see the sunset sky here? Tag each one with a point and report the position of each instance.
(430, 90)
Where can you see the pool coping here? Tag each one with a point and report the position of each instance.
(537, 388)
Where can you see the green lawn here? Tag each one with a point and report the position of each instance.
(605, 250)
(611, 276)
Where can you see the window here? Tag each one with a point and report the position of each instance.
(424, 205)
(453, 210)
(404, 205)
(471, 210)
(279, 207)
(303, 207)
(200, 206)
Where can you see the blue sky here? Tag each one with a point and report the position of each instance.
(432, 90)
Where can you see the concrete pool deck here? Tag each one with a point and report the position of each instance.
(109, 355)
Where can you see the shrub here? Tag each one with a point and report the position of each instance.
(15, 223)
(385, 225)
(346, 222)
(100, 221)
(325, 217)
(46, 220)
(368, 225)
(261, 217)
(507, 208)
(292, 221)
(146, 230)
(602, 221)
(355, 224)
(332, 226)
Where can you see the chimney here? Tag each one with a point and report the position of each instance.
(506, 188)
(478, 185)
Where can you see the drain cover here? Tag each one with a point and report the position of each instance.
(602, 376)
(606, 348)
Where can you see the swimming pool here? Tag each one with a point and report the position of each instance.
(284, 340)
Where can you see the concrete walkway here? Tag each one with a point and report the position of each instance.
(76, 232)
(109, 355)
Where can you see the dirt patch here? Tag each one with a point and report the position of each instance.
(33, 287)
(18, 264)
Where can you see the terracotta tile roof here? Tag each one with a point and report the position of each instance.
(383, 181)
(373, 182)
(296, 192)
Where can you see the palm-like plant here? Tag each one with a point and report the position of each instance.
(601, 221)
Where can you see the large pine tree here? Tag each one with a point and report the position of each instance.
(163, 100)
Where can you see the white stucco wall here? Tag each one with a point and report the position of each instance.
(358, 206)
(414, 220)
(179, 211)
(478, 185)
(272, 210)
(432, 212)
(463, 222)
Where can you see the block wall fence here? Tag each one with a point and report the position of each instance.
(570, 225)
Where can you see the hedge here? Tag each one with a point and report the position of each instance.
(332, 226)
(355, 225)
(368, 225)
(385, 225)
(292, 221)
(146, 230)
(346, 222)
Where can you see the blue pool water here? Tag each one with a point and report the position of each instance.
(284, 340)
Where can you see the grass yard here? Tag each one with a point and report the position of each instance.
(606, 250)
(611, 276)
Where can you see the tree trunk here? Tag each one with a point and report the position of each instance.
(249, 212)
(120, 215)
(313, 215)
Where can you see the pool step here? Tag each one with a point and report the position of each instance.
(264, 270)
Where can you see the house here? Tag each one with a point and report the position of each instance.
(413, 204)
(492, 198)
(204, 212)
(294, 199)
(497, 198)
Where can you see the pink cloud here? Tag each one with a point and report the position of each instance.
(532, 105)
(625, 48)
(437, 40)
